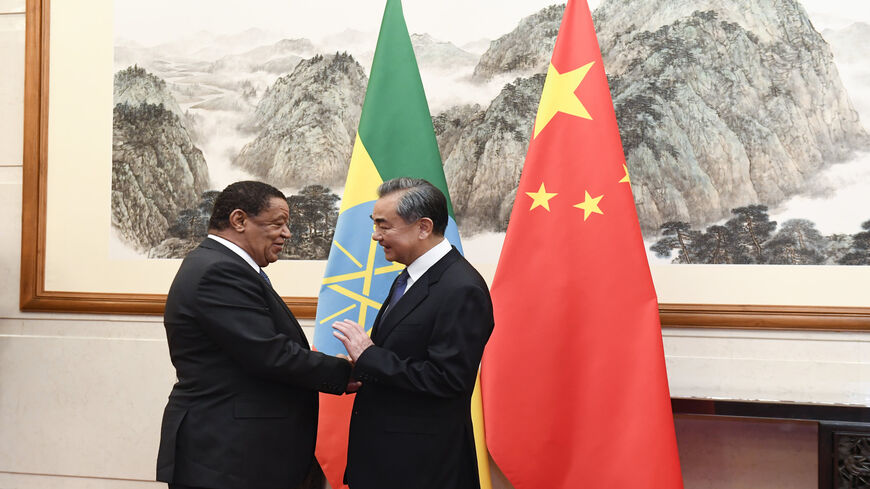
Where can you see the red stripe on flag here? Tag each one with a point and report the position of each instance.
(331, 450)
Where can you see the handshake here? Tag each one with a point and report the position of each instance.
(355, 341)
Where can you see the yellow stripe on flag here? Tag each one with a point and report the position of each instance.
(364, 175)
(479, 437)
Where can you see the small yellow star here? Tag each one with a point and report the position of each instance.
(589, 205)
(625, 179)
(541, 198)
(558, 96)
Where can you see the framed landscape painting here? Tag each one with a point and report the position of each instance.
(748, 150)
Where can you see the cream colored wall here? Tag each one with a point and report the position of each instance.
(81, 396)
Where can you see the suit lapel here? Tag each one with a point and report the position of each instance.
(294, 324)
(283, 305)
(412, 298)
(381, 311)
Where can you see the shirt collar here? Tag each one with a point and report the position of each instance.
(237, 250)
(425, 261)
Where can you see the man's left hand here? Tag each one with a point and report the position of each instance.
(353, 337)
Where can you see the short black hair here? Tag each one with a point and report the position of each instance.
(249, 196)
(420, 199)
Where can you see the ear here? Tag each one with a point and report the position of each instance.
(237, 220)
(426, 226)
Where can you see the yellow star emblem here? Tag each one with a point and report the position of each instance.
(558, 96)
(541, 198)
(366, 272)
(589, 205)
(625, 179)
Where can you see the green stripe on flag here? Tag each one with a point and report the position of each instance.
(395, 125)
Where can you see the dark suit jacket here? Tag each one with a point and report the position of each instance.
(411, 421)
(243, 413)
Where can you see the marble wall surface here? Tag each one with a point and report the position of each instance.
(81, 395)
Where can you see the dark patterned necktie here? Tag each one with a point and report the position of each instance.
(265, 277)
(398, 290)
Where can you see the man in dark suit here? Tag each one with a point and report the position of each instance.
(411, 422)
(243, 414)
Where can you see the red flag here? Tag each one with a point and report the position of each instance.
(574, 384)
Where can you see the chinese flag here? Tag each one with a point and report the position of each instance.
(575, 391)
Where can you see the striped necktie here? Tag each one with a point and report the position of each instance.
(265, 277)
(398, 290)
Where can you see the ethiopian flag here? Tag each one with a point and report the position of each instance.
(395, 139)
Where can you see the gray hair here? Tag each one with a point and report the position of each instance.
(419, 199)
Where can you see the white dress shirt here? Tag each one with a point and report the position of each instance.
(425, 261)
(237, 250)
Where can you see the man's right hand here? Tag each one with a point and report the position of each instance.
(353, 386)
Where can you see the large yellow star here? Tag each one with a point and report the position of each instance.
(589, 205)
(558, 96)
(541, 198)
